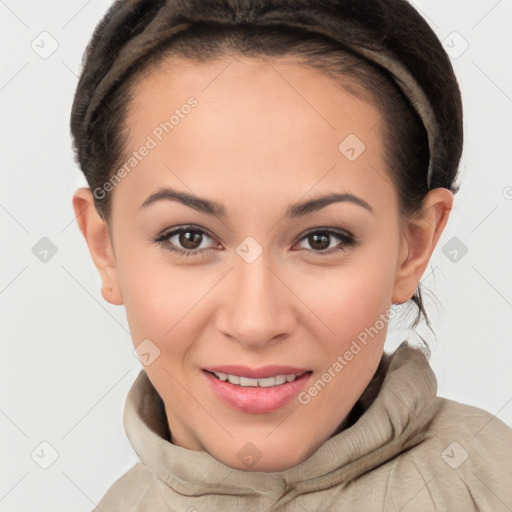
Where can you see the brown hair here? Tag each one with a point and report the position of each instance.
(135, 35)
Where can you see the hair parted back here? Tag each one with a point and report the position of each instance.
(326, 35)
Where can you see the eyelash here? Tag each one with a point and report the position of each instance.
(347, 239)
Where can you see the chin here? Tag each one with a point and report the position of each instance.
(250, 458)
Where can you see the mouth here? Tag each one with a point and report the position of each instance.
(266, 382)
(256, 395)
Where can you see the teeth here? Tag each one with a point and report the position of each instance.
(234, 379)
(264, 383)
(244, 381)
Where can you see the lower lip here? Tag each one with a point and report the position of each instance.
(256, 399)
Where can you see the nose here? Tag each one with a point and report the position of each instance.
(258, 308)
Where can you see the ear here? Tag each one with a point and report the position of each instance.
(419, 239)
(96, 234)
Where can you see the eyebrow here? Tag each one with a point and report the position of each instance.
(218, 210)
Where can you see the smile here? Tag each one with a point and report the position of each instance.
(256, 395)
(248, 382)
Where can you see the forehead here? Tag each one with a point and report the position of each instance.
(233, 90)
(254, 121)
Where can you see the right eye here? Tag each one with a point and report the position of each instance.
(185, 240)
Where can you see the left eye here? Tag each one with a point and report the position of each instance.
(320, 240)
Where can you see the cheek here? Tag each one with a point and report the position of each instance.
(353, 305)
(350, 298)
(158, 298)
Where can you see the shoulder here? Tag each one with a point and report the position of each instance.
(464, 462)
(131, 492)
(470, 416)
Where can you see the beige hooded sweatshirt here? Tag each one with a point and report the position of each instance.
(401, 449)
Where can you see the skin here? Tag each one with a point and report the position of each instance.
(264, 135)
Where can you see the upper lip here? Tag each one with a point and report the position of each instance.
(257, 373)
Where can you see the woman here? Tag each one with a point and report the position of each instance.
(267, 183)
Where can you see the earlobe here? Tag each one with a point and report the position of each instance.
(95, 231)
(419, 241)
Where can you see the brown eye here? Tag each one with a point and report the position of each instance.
(190, 239)
(185, 240)
(319, 242)
(324, 241)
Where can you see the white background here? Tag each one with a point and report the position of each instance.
(66, 355)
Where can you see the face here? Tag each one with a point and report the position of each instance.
(228, 260)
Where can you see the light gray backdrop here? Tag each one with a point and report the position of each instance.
(66, 355)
